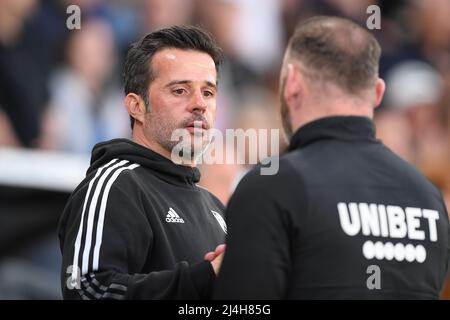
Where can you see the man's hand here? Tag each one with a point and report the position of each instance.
(216, 258)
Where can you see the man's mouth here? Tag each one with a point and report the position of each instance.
(198, 124)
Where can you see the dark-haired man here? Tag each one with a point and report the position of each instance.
(344, 218)
(138, 226)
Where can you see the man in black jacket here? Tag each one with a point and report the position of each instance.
(138, 226)
(344, 217)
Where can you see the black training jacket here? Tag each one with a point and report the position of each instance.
(344, 218)
(138, 227)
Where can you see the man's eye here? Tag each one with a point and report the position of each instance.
(208, 93)
(179, 91)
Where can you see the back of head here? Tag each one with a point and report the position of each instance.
(336, 51)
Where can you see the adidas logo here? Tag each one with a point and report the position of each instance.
(173, 217)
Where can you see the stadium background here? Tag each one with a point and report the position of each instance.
(61, 92)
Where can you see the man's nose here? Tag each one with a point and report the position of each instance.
(199, 103)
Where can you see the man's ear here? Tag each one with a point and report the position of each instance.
(293, 86)
(135, 106)
(380, 88)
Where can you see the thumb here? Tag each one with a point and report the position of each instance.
(210, 256)
(220, 248)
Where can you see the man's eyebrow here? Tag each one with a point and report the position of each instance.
(208, 83)
(171, 83)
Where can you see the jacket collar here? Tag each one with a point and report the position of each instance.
(126, 149)
(340, 127)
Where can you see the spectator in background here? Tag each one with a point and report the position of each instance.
(86, 102)
(414, 88)
(263, 18)
(220, 18)
(430, 29)
(23, 76)
(165, 13)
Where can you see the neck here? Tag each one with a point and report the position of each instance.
(312, 112)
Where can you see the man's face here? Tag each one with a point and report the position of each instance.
(183, 92)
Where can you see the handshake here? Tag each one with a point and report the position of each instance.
(216, 257)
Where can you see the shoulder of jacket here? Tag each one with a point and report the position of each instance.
(121, 174)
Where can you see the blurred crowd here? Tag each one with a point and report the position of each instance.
(61, 89)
